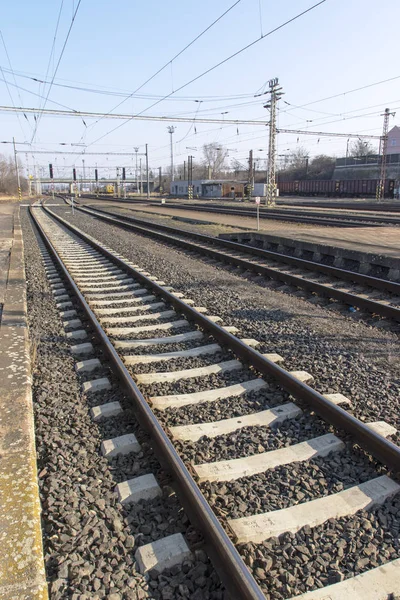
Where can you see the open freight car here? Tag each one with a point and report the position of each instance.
(345, 188)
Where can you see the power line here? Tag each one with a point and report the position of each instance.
(364, 87)
(34, 93)
(176, 56)
(126, 94)
(219, 64)
(139, 117)
(54, 44)
(8, 89)
(56, 69)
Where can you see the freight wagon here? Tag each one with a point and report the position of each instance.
(345, 188)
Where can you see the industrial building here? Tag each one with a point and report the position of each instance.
(215, 188)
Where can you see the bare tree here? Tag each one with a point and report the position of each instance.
(8, 176)
(362, 148)
(321, 167)
(298, 158)
(214, 157)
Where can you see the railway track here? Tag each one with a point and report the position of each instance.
(371, 294)
(295, 215)
(279, 214)
(175, 362)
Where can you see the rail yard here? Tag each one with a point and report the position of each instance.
(199, 301)
(212, 417)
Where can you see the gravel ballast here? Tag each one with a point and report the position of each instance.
(309, 339)
(343, 355)
(89, 539)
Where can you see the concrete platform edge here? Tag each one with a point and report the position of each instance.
(22, 573)
(341, 256)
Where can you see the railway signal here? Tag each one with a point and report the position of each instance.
(51, 177)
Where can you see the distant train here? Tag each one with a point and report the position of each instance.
(345, 188)
(110, 188)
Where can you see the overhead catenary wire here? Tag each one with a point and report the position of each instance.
(56, 69)
(53, 44)
(225, 60)
(175, 57)
(7, 86)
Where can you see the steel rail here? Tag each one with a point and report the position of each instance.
(348, 298)
(227, 561)
(264, 214)
(275, 216)
(368, 280)
(291, 211)
(373, 443)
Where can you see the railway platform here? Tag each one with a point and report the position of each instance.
(22, 573)
(373, 248)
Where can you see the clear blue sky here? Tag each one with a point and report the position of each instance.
(116, 46)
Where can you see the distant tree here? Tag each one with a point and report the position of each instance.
(321, 167)
(295, 165)
(214, 157)
(8, 176)
(237, 167)
(297, 159)
(361, 148)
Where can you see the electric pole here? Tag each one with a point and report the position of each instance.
(171, 130)
(275, 95)
(159, 181)
(250, 177)
(17, 172)
(190, 177)
(118, 184)
(380, 188)
(136, 171)
(147, 173)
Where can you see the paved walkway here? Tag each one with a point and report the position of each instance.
(6, 237)
(376, 240)
(22, 573)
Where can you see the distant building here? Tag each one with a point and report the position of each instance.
(215, 188)
(209, 188)
(393, 146)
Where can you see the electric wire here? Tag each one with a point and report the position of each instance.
(8, 89)
(175, 57)
(56, 69)
(53, 44)
(225, 60)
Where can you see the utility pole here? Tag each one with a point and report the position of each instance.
(275, 95)
(83, 169)
(250, 177)
(380, 188)
(136, 171)
(190, 177)
(17, 172)
(171, 130)
(159, 181)
(141, 181)
(147, 173)
(184, 170)
(96, 176)
(118, 184)
(124, 180)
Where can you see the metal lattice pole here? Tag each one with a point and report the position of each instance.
(171, 130)
(380, 188)
(275, 92)
(17, 173)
